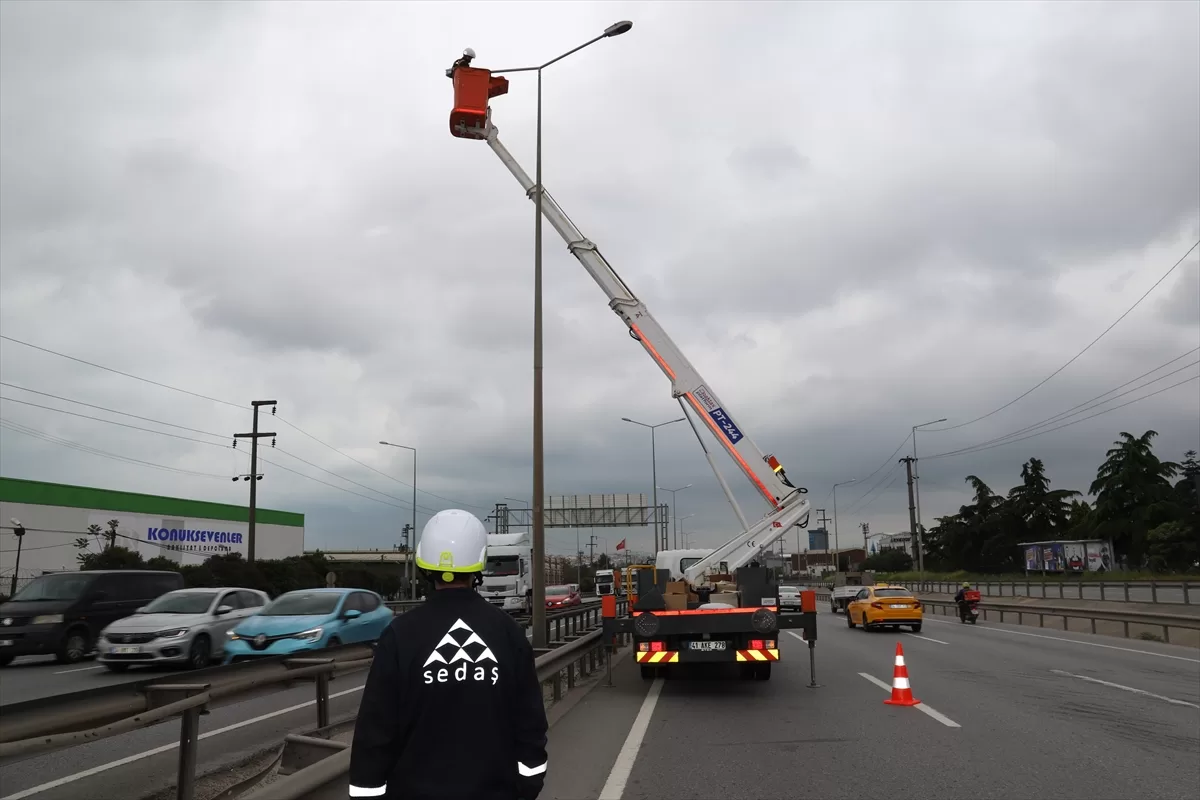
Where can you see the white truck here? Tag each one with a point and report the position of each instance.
(845, 586)
(508, 573)
(743, 626)
(605, 582)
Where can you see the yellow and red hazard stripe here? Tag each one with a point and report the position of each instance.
(659, 657)
(757, 655)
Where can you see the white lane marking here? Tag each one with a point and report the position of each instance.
(798, 636)
(614, 787)
(77, 669)
(1072, 641)
(1142, 692)
(940, 717)
(923, 636)
(87, 773)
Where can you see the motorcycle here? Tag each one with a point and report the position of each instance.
(969, 612)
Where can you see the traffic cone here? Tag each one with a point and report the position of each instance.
(901, 692)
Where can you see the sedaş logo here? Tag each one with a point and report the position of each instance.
(463, 653)
(706, 398)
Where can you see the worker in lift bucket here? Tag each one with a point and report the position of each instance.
(467, 56)
(452, 708)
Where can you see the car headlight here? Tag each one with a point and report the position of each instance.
(232, 634)
(310, 635)
(171, 633)
(48, 619)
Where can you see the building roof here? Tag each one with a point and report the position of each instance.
(41, 493)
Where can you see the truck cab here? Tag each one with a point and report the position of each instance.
(508, 573)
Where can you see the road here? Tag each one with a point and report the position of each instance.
(1009, 712)
(33, 677)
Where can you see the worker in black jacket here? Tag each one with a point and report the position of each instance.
(452, 708)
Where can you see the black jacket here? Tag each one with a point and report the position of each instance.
(452, 708)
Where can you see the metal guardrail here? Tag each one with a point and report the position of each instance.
(579, 655)
(65, 721)
(1127, 618)
(1114, 591)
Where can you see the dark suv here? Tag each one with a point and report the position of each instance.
(63, 613)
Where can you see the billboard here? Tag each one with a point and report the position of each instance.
(1033, 558)
(184, 541)
(597, 501)
(1052, 557)
(818, 539)
(1075, 556)
(1099, 557)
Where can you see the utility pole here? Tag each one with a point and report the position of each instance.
(866, 529)
(912, 514)
(824, 520)
(254, 477)
(592, 548)
(408, 560)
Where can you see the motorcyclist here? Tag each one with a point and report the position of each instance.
(961, 599)
(452, 707)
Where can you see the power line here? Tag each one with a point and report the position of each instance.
(114, 422)
(1077, 355)
(855, 504)
(239, 406)
(334, 486)
(886, 461)
(1085, 406)
(111, 411)
(348, 480)
(125, 374)
(1074, 422)
(34, 433)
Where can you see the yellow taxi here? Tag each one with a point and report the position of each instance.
(877, 606)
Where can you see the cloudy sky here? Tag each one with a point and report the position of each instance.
(853, 218)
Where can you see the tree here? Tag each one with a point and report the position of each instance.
(893, 560)
(1045, 512)
(1133, 494)
(112, 558)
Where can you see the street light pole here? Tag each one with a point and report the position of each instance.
(539, 471)
(412, 550)
(675, 510)
(654, 466)
(837, 558)
(920, 543)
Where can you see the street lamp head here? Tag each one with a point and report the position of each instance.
(627, 419)
(617, 28)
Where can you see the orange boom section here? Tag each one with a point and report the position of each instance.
(473, 88)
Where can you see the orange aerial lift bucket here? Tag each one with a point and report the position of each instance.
(473, 88)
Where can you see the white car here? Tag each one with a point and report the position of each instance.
(186, 626)
(789, 598)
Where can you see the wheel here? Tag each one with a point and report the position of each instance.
(116, 667)
(916, 628)
(762, 672)
(200, 654)
(849, 619)
(6, 660)
(833, 608)
(334, 642)
(748, 672)
(866, 624)
(74, 648)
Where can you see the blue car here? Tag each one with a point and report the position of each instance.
(309, 619)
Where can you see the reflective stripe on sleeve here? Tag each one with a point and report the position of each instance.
(369, 791)
(529, 772)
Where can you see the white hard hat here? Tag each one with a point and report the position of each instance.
(452, 542)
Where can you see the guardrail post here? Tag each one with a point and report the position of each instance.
(1167, 634)
(1125, 625)
(323, 700)
(1060, 591)
(1093, 624)
(1186, 599)
(1066, 623)
(1153, 591)
(189, 733)
(1126, 585)
(1081, 589)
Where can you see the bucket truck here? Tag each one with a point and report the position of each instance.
(715, 605)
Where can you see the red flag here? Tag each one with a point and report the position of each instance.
(621, 545)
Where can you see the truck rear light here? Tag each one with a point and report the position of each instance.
(769, 644)
(757, 644)
(657, 647)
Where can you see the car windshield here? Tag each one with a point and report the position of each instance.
(61, 586)
(302, 604)
(792, 589)
(502, 565)
(181, 603)
(893, 593)
(557, 591)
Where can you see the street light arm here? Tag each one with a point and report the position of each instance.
(616, 29)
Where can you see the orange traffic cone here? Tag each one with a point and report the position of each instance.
(901, 692)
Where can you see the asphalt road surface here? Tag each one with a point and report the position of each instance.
(1006, 713)
(33, 677)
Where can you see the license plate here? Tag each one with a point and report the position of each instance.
(126, 651)
(899, 605)
(6, 642)
(706, 645)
